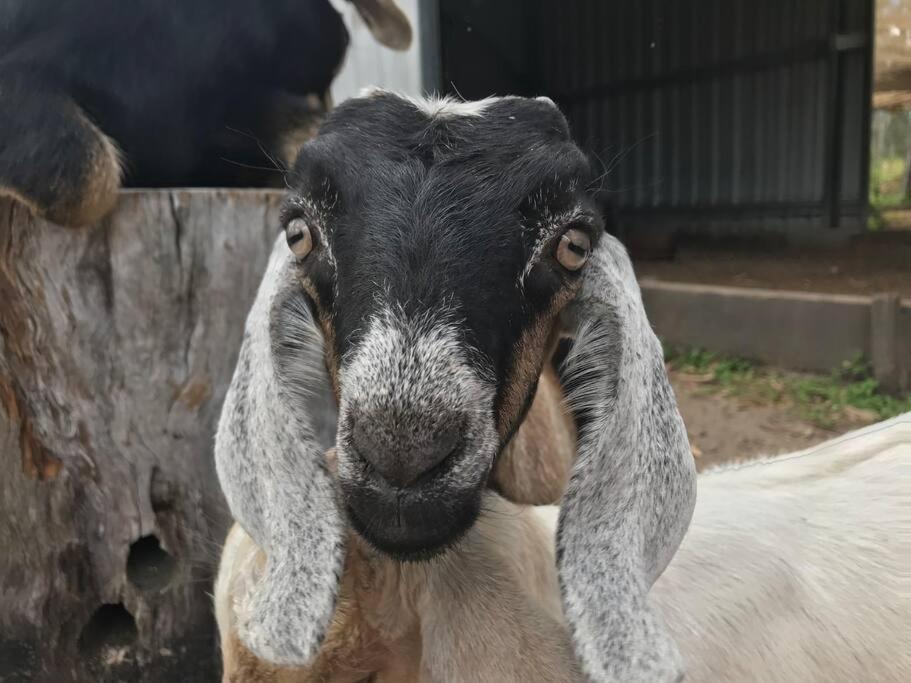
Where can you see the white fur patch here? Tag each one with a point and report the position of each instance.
(446, 106)
(798, 568)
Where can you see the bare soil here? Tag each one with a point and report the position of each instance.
(728, 429)
(874, 264)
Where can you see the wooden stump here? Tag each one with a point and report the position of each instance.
(117, 344)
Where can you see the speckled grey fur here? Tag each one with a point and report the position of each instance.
(269, 451)
(633, 485)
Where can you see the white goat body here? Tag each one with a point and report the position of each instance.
(798, 567)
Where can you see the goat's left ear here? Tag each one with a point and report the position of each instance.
(386, 21)
(277, 422)
(633, 487)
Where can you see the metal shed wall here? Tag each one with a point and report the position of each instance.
(715, 115)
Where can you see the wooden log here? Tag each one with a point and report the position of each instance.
(117, 344)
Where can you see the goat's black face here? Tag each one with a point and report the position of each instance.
(437, 242)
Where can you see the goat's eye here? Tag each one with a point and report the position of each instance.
(300, 241)
(573, 249)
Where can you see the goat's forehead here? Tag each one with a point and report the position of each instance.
(441, 207)
(420, 163)
(390, 117)
(514, 142)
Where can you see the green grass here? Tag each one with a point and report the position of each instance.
(886, 191)
(824, 400)
(886, 176)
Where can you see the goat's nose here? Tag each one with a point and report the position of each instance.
(402, 450)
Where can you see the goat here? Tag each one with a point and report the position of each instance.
(99, 93)
(405, 218)
(437, 252)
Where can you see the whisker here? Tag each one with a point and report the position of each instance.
(251, 166)
(279, 166)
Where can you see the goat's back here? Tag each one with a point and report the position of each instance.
(798, 568)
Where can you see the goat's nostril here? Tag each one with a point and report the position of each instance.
(401, 456)
(446, 441)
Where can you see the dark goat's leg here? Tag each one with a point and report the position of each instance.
(52, 157)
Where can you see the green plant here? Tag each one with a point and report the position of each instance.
(887, 183)
(820, 399)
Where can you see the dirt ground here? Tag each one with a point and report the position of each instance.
(877, 263)
(725, 429)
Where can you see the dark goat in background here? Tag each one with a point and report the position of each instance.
(99, 93)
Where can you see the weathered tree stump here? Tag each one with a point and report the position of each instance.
(117, 344)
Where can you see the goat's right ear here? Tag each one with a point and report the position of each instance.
(386, 21)
(633, 487)
(277, 422)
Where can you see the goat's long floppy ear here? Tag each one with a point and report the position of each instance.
(277, 421)
(386, 21)
(633, 487)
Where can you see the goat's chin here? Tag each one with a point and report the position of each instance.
(410, 524)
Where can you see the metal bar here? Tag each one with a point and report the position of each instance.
(835, 122)
(738, 126)
(867, 124)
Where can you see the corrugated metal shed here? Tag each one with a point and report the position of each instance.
(715, 115)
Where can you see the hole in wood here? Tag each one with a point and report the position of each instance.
(110, 631)
(149, 567)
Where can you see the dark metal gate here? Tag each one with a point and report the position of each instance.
(713, 115)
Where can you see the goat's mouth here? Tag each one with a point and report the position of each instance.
(411, 523)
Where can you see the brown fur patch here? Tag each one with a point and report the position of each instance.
(534, 467)
(301, 126)
(292, 121)
(99, 185)
(369, 632)
(325, 322)
(17, 196)
(103, 181)
(76, 186)
(535, 346)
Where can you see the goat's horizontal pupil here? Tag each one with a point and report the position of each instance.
(294, 238)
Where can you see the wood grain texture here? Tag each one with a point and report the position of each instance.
(117, 343)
